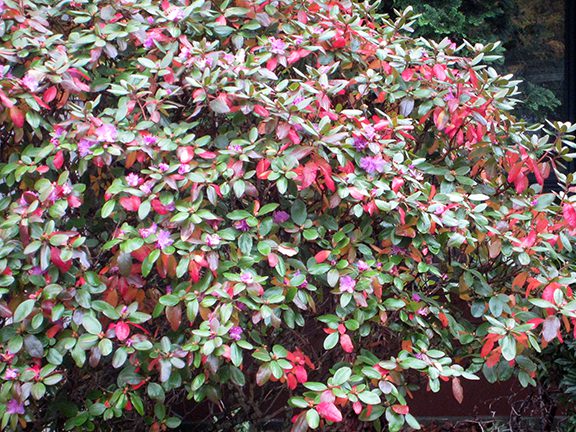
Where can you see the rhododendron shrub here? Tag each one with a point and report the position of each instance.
(288, 209)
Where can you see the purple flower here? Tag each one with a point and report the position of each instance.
(247, 277)
(11, 374)
(280, 216)
(163, 167)
(31, 81)
(147, 187)
(362, 266)
(236, 148)
(298, 40)
(150, 139)
(184, 168)
(416, 297)
(212, 240)
(369, 131)
(84, 147)
(277, 46)
(175, 13)
(149, 42)
(422, 311)
(107, 133)
(133, 179)
(373, 164)
(235, 333)
(242, 225)
(163, 239)
(147, 232)
(36, 271)
(360, 143)
(150, 20)
(347, 284)
(14, 407)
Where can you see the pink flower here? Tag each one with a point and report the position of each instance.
(280, 216)
(235, 333)
(31, 81)
(147, 232)
(175, 13)
(150, 139)
(247, 277)
(347, 284)
(163, 239)
(373, 164)
(184, 168)
(360, 143)
(149, 42)
(212, 240)
(14, 407)
(107, 133)
(84, 147)
(242, 225)
(11, 374)
(163, 167)
(133, 179)
(362, 266)
(147, 187)
(277, 46)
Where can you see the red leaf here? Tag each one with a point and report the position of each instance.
(457, 390)
(397, 184)
(261, 111)
(185, 154)
(50, 94)
(263, 375)
(407, 74)
(301, 374)
(174, 316)
(328, 411)
(272, 260)
(17, 117)
(309, 174)
(346, 343)
(569, 213)
(131, 203)
(63, 266)
(291, 381)
(529, 241)
(326, 171)
(262, 171)
(439, 72)
(58, 160)
(321, 256)
(122, 330)
(401, 409)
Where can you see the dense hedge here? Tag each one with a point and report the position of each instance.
(224, 201)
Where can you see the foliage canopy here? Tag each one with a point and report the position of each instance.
(222, 199)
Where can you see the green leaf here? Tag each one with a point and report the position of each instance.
(369, 398)
(341, 376)
(91, 324)
(331, 340)
(149, 262)
(107, 208)
(23, 310)
(312, 418)
(298, 212)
